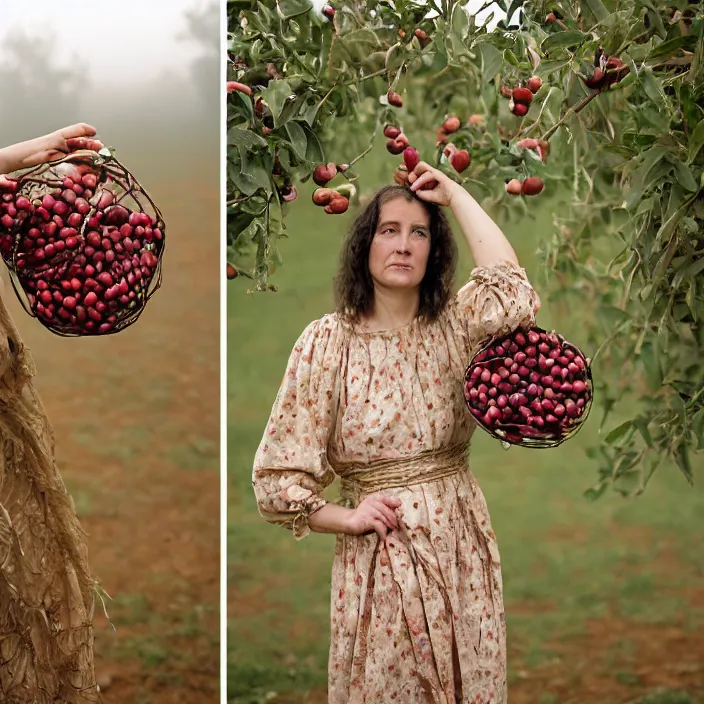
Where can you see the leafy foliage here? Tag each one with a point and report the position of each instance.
(630, 244)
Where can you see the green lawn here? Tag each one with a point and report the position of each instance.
(566, 560)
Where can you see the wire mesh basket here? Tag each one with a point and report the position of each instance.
(83, 242)
(530, 388)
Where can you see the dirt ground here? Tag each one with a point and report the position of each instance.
(136, 417)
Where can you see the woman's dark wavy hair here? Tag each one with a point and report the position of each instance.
(354, 287)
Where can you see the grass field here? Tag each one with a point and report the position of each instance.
(605, 600)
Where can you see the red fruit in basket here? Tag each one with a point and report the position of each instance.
(494, 413)
(116, 215)
(60, 208)
(517, 400)
(579, 387)
(105, 199)
(69, 196)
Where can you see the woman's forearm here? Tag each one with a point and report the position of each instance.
(331, 518)
(486, 241)
(13, 157)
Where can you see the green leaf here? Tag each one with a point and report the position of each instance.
(670, 47)
(275, 96)
(513, 8)
(698, 428)
(548, 67)
(568, 38)
(492, 61)
(254, 172)
(696, 140)
(684, 463)
(653, 89)
(596, 492)
(641, 424)
(694, 270)
(241, 101)
(684, 175)
(618, 432)
(297, 135)
(293, 8)
(244, 138)
(314, 151)
(598, 9)
(651, 365)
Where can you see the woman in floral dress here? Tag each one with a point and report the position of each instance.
(373, 394)
(46, 588)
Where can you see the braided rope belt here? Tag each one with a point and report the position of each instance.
(428, 466)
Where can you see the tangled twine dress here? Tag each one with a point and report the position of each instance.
(46, 592)
(418, 617)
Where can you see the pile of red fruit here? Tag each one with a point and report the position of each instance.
(84, 242)
(529, 388)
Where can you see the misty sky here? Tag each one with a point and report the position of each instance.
(122, 41)
(472, 6)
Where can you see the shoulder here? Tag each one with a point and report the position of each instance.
(324, 331)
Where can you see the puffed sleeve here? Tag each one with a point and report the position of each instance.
(291, 469)
(495, 301)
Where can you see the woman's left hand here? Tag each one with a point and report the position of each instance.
(57, 144)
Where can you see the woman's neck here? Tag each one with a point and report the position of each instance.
(393, 308)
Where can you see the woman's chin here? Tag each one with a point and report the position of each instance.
(400, 278)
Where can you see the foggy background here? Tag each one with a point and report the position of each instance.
(136, 414)
(146, 75)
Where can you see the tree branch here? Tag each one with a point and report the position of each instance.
(577, 107)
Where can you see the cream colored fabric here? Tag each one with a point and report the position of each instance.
(416, 618)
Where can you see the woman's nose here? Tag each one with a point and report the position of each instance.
(403, 241)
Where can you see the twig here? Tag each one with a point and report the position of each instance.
(571, 111)
(350, 82)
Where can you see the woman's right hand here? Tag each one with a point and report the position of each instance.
(443, 190)
(376, 512)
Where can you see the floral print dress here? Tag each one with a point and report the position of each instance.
(416, 618)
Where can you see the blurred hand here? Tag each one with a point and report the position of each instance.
(55, 145)
(444, 189)
(375, 512)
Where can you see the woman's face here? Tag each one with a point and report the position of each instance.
(399, 252)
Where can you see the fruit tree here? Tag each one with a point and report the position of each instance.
(599, 99)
